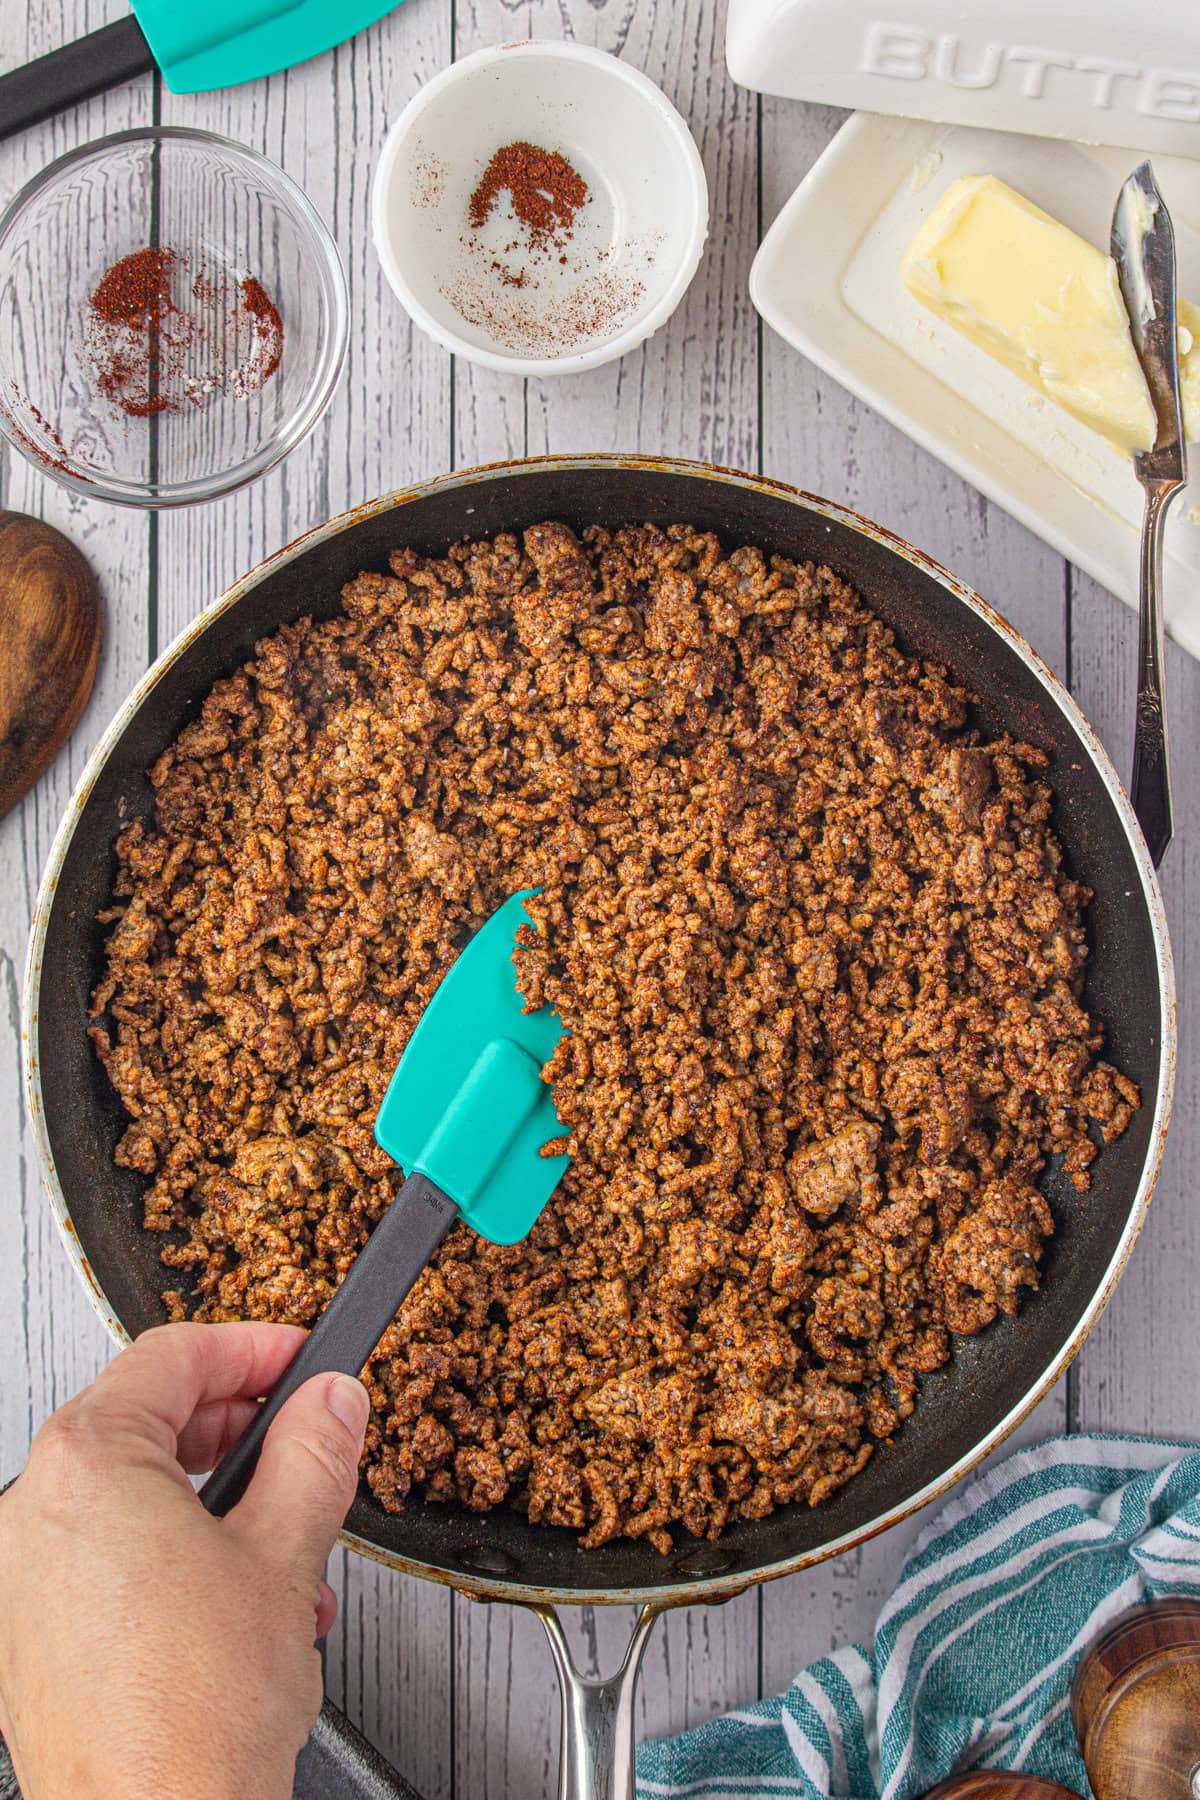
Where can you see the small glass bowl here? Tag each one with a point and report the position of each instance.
(209, 412)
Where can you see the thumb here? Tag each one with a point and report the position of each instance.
(308, 1472)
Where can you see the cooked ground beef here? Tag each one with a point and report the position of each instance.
(818, 957)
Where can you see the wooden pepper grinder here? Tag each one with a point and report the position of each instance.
(1135, 1703)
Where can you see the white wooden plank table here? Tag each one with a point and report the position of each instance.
(460, 1696)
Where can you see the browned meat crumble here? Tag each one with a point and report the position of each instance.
(815, 947)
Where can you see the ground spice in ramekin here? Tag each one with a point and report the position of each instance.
(548, 288)
(159, 343)
(594, 306)
(545, 190)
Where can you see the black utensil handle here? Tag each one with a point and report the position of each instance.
(351, 1325)
(52, 83)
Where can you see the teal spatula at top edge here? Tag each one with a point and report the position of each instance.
(466, 1114)
(218, 43)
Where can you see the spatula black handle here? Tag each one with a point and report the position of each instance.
(351, 1325)
(49, 85)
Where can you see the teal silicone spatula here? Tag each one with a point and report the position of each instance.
(467, 1114)
(217, 44)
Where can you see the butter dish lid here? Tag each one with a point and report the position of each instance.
(1105, 73)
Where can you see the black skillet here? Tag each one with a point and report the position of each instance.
(994, 1380)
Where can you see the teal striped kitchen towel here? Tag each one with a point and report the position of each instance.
(973, 1655)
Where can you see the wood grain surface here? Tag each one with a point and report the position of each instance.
(461, 1696)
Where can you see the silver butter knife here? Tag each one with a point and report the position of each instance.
(1143, 247)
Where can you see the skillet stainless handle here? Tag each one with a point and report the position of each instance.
(597, 1715)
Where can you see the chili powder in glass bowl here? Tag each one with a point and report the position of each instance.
(173, 317)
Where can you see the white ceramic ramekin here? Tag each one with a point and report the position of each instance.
(633, 247)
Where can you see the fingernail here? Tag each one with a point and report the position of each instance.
(347, 1400)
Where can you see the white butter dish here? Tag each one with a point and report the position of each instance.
(847, 310)
(1103, 73)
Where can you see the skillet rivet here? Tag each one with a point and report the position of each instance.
(703, 1562)
(487, 1559)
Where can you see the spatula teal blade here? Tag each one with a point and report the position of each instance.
(467, 1106)
(224, 42)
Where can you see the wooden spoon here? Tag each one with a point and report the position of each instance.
(49, 645)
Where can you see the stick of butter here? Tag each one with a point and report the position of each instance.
(1045, 303)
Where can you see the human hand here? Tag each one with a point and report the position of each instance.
(147, 1650)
